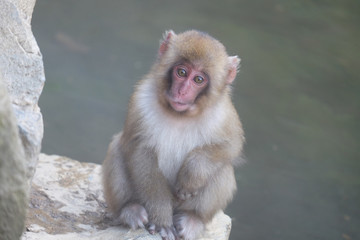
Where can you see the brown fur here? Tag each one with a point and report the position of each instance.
(205, 141)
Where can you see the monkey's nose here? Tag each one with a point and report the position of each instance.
(184, 88)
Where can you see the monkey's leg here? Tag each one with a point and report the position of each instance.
(191, 214)
(118, 193)
(152, 191)
(117, 190)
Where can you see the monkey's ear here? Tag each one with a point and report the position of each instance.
(234, 62)
(164, 43)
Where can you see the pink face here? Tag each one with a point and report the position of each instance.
(187, 83)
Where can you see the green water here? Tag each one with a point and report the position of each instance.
(298, 95)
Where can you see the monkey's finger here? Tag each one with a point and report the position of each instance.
(144, 216)
(181, 194)
(184, 195)
(179, 227)
(151, 228)
(140, 224)
(193, 194)
(173, 229)
(142, 221)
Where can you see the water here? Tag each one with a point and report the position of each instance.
(298, 95)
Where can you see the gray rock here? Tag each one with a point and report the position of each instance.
(13, 188)
(21, 68)
(67, 202)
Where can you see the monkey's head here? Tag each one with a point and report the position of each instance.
(193, 72)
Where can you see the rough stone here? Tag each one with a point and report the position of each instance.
(13, 188)
(67, 202)
(21, 68)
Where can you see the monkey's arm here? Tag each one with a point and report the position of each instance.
(199, 166)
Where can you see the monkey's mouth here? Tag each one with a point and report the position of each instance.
(178, 106)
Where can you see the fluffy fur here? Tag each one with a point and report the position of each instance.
(174, 170)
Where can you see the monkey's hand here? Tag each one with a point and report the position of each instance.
(188, 184)
(195, 174)
(184, 194)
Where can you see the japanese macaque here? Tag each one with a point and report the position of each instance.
(171, 168)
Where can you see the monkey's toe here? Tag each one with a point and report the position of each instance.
(134, 215)
(188, 226)
(166, 233)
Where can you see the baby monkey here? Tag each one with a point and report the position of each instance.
(171, 168)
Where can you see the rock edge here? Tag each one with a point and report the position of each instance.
(66, 202)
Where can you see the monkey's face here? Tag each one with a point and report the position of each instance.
(194, 71)
(187, 82)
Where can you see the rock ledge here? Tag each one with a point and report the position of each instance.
(67, 202)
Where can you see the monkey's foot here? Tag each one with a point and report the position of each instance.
(134, 215)
(188, 226)
(166, 233)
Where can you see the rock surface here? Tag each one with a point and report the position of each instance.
(13, 188)
(66, 202)
(22, 71)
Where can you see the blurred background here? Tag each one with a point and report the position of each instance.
(298, 95)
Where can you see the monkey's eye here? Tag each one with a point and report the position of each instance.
(181, 72)
(198, 79)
